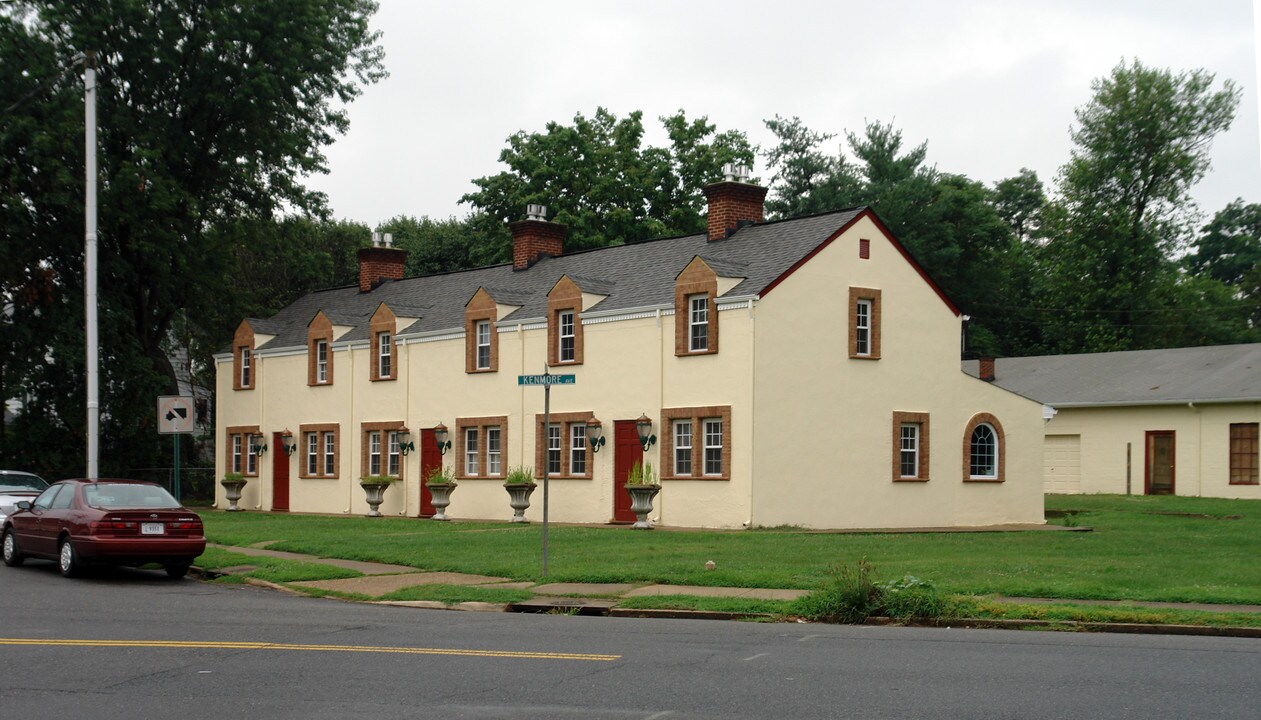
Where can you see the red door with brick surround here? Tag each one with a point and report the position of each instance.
(626, 452)
(279, 473)
(430, 458)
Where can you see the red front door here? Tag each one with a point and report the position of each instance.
(279, 473)
(430, 459)
(626, 452)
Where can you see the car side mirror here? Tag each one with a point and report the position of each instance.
(23, 505)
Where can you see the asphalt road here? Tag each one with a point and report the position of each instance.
(132, 644)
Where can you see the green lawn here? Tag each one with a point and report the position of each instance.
(1141, 548)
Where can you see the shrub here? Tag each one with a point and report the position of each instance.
(910, 598)
(520, 475)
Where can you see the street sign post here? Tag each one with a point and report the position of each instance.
(175, 417)
(546, 380)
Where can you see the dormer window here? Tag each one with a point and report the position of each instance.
(385, 355)
(243, 344)
(247, 380)
(698, 323)
(319, 347)
(483, 345)
(565, 349)
(321, 361)
(481, 340)
(564, 326)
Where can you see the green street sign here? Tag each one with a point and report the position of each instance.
(546, 379)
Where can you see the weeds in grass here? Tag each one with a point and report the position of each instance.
(849, 596)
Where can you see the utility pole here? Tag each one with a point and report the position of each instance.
(89, 270)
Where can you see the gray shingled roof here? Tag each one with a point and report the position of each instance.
(632, 276)
(1221, 373)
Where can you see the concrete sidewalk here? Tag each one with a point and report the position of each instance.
(381, 579)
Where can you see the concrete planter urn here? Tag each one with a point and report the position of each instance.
(641, 503)
(519, 499)
(374, 487)
(232, 484)
(441, 494)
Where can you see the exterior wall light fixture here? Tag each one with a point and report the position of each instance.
(286, 439)
(405, 444)
(644, 427)
(440, 437)
(595, 435)
(257, 443)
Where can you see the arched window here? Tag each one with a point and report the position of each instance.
(983, 449)
(984, 463)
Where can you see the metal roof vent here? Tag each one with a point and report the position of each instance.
(736, 173)
(535, 212)
(387, 239)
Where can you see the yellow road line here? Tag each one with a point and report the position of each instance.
(186, 644)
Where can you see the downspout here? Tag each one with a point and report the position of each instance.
(661, 400)
(350, 485)
(407, 414)
(752, 405)
(1199, 449)
(262, 407)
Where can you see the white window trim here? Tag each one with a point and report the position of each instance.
(558, 448)
(374, 452)
(321, 361)
(678, 424)
(697, 305)
(246, 354)
(578, 448)
(993, 444)
(562, 336)
(312, 453)
(705, 427)
(483, 333)
(330, 454)
(472, 468)
(494, 452)
(862, 328)
(385, 355)
(914, 449)
(236, 454)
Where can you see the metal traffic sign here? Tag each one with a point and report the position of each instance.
(175, 414)
(546, 379)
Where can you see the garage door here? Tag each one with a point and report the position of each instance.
(1061, 464)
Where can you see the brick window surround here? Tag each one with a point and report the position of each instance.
(243, 340)
(320, 329)
(384, 428)
(481, 308)
(696, 279)
(1000, 447)
(913, 418)
(665, 439)
(383, 321)
(245, 431)
(564, 297)
(480, 424)
(565, 421)
(873, 322)
(1244, 455)
(320, 430)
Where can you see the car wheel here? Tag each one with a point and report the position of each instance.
(176, 571)
(68, 560)
(12, 555)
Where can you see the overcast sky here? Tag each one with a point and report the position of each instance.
(990, 84)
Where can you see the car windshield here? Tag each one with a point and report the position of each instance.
(118, 495)
(21, 482)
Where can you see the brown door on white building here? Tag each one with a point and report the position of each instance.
(1160, 461)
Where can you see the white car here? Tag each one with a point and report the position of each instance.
(16, 486)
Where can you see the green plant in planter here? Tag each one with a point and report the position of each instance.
(233, 477)
(519, 475)
(441, 476)
(641, 474)
(377, 480)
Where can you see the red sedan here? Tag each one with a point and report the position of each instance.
(119, 522)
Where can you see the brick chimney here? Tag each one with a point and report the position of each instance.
(733, 203)
(380, 262)
(986, 369)
(535, 238)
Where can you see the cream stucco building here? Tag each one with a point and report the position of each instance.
(1171, 421)
(800, 372)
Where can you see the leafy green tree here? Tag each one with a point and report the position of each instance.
(1019, 201)
(1230, 246)
(805, 180)
(598, 179)
(208, 112)
(1141, 143)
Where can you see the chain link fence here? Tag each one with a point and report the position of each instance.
(196, 485)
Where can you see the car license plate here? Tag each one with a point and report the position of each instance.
(152, 528)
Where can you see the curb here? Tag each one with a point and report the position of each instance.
(1076, 625)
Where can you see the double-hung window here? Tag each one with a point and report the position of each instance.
(565, 338)
(251, 457)
(553, 449)
(713, 446)
(321, 361)
(312, 453)
(246, 362)
(330, 454)
(394, 459)
(385, 355)
(698, 323)
(483, 345)
(862, 328)
(236, 453)
(908, 462)
(471, 457)
(494, 453)
(578, 449)
(682, 447)
(374, 452)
